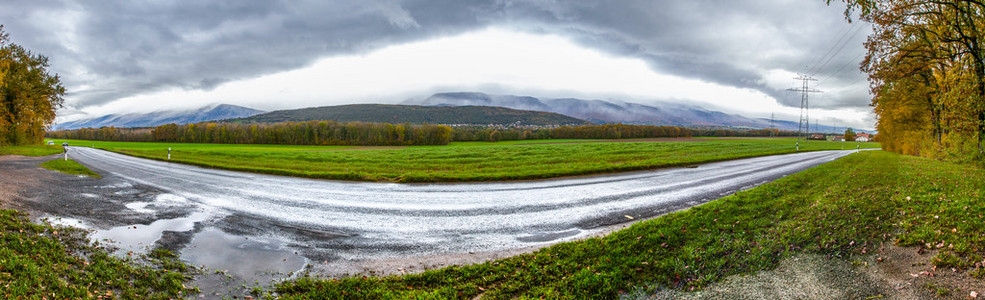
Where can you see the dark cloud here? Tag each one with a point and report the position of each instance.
(106, 50)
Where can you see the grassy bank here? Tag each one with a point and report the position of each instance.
(45, 262)
(32, 150)
(68, 167)
(840, 209)
(470, 161)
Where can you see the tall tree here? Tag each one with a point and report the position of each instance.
(849, 135)
(926, 66)
(29, 94)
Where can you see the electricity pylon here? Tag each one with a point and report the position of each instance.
(805, 91)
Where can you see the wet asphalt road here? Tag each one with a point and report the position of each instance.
(333, 221)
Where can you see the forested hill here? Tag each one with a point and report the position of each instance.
(398, 114)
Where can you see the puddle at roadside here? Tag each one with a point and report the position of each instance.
(251, 259)
(137, 238)
(240, 259)
(140, 237)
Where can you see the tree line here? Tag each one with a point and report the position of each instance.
(381, 134)
(285, 133)
(29, 94)
(926, 65)
(718, 132)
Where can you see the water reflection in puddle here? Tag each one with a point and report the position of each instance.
(140, 237)
(251, 259)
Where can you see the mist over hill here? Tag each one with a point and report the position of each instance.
(396, 114)
(207, 113)
(600, 111)
(470, 108)
(597, 111)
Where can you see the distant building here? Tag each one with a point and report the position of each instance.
(863, 137)
(836, 138)
(817, 137)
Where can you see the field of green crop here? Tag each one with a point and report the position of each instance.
(32, 150)
(467, 161)
(841, 209)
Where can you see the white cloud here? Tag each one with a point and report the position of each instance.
(474, 61)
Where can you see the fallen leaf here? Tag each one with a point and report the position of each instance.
(628, 217)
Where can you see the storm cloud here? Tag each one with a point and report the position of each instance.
(108, 50)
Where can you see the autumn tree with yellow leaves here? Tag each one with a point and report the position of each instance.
(926, 66)
(29, 94)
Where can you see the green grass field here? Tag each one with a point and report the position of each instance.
(467, 161)
(68, 167)
(32, 150)
(841, 209)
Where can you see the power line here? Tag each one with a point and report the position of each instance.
(829, 55)
(772, 119)
(832, 42)
(838, 72)
(805, 91)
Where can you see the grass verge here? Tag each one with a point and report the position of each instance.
(68, 167)
(470, 161)
(840, 209)
(31, 150)
(39, 261)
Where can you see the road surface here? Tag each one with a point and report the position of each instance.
(328, 222)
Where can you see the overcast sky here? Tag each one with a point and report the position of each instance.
(735, 56)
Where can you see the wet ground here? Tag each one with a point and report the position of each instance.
(254, 228)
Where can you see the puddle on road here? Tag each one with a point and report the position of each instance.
(139, 237)
(249, 258)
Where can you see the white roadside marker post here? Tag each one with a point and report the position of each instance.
(169, 153)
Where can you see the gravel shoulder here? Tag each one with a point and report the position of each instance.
(19, 173)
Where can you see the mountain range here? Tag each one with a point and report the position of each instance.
(458, 108)
(398, 114)
(208, 113)
(599, 111)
